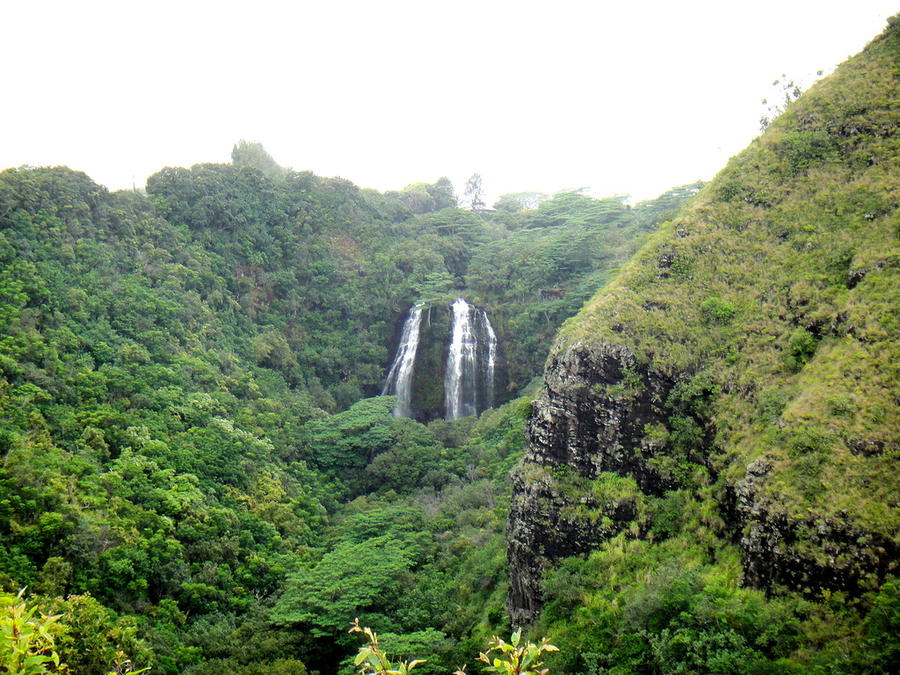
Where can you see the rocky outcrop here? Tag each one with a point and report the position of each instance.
(592, 412)
(589, 418)
(804, 554)
(856, 274)
(592, 417)
(546, 524)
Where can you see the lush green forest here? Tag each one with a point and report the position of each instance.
(200, 477)
(191, 459)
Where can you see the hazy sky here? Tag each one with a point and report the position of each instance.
(627, 98)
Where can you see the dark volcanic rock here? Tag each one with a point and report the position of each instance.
(544, 530)
(804, 554)
(592, 412)
(590, 417)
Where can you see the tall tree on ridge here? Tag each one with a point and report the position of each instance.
(473, 192)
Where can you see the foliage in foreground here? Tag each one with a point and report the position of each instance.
(27, 637)
(510, 659)
(34, 641)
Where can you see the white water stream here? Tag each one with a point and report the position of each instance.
(400, 375)
(469, 376)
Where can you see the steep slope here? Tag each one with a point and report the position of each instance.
(736, 386)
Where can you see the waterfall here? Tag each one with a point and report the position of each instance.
(469, 376)
(459, 379)
(400, 374)
(491, 360)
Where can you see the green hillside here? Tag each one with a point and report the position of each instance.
(718, 436)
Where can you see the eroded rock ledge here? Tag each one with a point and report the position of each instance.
(803, 554)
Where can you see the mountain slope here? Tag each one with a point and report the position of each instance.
(735, 388)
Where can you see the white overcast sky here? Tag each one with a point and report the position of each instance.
(622, 97)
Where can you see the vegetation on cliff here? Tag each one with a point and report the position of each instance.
(741, 372)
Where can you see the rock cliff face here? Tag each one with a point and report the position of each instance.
(590, 418)
(428, 376)
(593, 410)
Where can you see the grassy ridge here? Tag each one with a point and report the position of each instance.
(780, 282)
(770, 305)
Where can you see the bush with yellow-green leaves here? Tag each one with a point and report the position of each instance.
(508, 658)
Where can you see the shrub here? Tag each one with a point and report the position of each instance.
(27, 639)
(716, 310)
(800, 349)
(510, 658)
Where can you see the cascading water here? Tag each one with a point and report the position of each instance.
(400, 375)
(491, 360)
(459, 379)
(469, 376)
